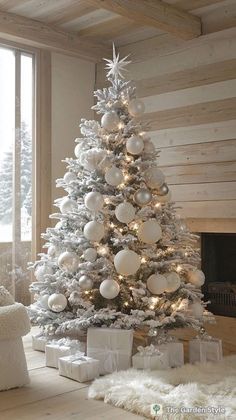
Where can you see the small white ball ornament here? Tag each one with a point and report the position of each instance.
(85, 283)
(173, 282)
(43, 301)
(196, 309)
(134, 145)
(110, 121)
(90, 254)
(127, 262)
(156, 284)
(94, 201)
(154, 177)
(196, 277)
(68, 205)
(150, 232)
(57, 302)
(69, 176)
(94, 231)
(125, 212)
(43, 270)
(136, 107)
(68, 261)
(142, 197)
(109, 289)
(114, 176)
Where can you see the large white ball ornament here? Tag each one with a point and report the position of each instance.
(125, 212)
(57, 302)
(69, 176)
(136, 107)
(114, 176)
(43, 301)
(68, 205)
(94, 231)
(127, 262)
(134, 145)
(196, 277)
(110, 121)
(154, 177)
(156, 284)
(43, 270)
(109, 289)
(68, 261)
(94, 201)
(85, 283)
(142, 197)
(173, 282)
(150, 232)
(90, 254)
(196, 309)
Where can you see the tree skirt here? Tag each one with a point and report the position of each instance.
(211, 384)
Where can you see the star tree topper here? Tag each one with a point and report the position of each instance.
(115, 66)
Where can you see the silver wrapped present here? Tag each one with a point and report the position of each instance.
(78, 367)
(151, 358)
(205, 349)
(112, 347)
(39, 342)
(59, 348)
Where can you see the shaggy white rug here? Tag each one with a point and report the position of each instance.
(210, 385)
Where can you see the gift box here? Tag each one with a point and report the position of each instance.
(78, 367)
(39, 342)
(60, 348)
(112, 347)
(151, 358)
(205, 350)
(175, 352)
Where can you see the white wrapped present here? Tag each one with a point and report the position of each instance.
(175, 349)
(151, 358)
(111, 346)
(205, 349)
(39, 342)
(60, 348)
(78, 367)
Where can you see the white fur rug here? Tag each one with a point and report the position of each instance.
(200, 385)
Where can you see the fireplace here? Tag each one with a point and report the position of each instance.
(219, 265)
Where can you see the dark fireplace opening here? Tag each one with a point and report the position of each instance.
(218, 251)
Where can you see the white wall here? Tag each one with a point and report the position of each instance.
(72, 98)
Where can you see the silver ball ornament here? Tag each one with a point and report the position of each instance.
(114, 176)
(68, 261)
(156, 284)
(125, 212)
(85, 282)
(173, 282)
(94, 231)
(57, 302)
(154, 177)
(67, 205)
(134, 145)
(163, 190)
(109, 289)
(136, 107)
(90, 254)
(142, 197)
(69, 176)
(127, 262)
(110, 121)
(150, 232)
(94, 201)
(196, 277)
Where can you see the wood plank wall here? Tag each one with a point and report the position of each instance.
(189, 91)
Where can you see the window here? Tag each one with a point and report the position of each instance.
(17, 127)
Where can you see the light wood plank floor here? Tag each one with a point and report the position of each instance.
(50, 396)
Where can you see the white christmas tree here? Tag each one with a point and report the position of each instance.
(119, 255)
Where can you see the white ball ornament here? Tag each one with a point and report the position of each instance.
(114, 176)
(69, 176)
(196, 277)
(43, 270)
(154, 177)
(136, 107)
(196, 309)
(94, 231)
(142, 197)
(94, 201)
(85, 282)
(68, 261)
(110, 121)
(90, 254)
(109, 289)
(52, 250)
(150, 232)
(156, 284)
(125, 212)
(57, 302)
(173, 282)
(134, 145)
(163, 190)
(43, 301)
(68, 205)
(127, 262)
(79, 148)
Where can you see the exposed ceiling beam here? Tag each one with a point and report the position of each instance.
(156, 13)
(41, 34)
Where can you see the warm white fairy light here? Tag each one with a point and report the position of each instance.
(126, 304)
(121, 230)
(143, 260)
(120, 277)
(128, 158)
(157, 205)
(102, 250)
(135, 226)
(121, 125)
(86, 292)
(112, 225)
(126, 177)
(107, 200)
(179, 268)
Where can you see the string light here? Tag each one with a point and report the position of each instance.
(112, 225)
(178, 268)
(142, 133)
(157, 205)
(86, 292)
(126, 304)
(102, 250)
(121, 230)
(120, 277)
(135, 226)
(107, 200)
(121, 125)
(126, 177)
(128, 158)
(143, 260)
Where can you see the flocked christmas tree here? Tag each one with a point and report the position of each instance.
(119, 255)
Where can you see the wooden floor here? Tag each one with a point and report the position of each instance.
(50, 396)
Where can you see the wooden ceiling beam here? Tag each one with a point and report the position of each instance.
(66, 14)
(157, 14)
(40, 34)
